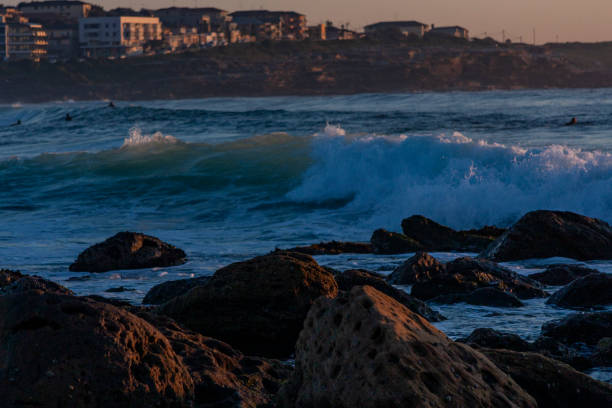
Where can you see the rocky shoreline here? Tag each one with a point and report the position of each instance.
(280, 330)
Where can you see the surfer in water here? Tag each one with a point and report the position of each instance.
(68, 118)
(571, 122)
(17, 123)
(111, 104)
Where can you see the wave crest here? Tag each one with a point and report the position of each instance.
(136, 138)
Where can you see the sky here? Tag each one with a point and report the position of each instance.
(565, 20)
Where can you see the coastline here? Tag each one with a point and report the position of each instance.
(313, 68)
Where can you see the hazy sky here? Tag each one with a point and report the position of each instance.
(571, 20)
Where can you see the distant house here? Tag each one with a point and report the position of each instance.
(207, 19)
(280, 25)
(117, 36)
(407, 28)
(339, 33)
(72, 10)
(452, 31)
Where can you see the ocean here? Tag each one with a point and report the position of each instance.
(227, 179)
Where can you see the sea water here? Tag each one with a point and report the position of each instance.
(227, 179)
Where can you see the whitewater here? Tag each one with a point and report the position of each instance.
(226, 179)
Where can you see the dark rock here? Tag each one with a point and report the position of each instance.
(552, 383)
(119, 289)
(128, 250)
(436, 237)
(23, 283)
(258, 305)
(577, 355)
(358, 277)
(592, 290)
(464, 275)
(165, 291)
(386, 242)
(420, 267)
(546, 234)
(489, 231)
(494, 339)
(79, 278)
(364, 349)
(335, 248)
(481, 297)
(586, 328)
(63, 351)
(559, 275)
(603, 353)
(7, 277)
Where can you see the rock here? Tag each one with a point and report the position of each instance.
(165, 291)
(359, 277)
(547, 234)
(435, 237)
(119, 289)
(490, 338)
(335, 248)
(223, 377)
(552, 383)
(60, 351)
(421, 267)
(592, 290)
(559, 275)
(385, 242)
(364, 349)
(586, 328)
(258, 305)
(15, 282)
(464, 275)
(128, 250)
(493, 297)
(7, 277)
(603, 353)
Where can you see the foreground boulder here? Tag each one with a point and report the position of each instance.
(465, 275)
(364, 349)
(559, 275)
(128, 250)
(165, 291)
(335, 248)
(547, 234)
(359, 277)
(60, 351)
(386, 242)
(419, 268)
(552, 383)
(258, 305)
(436, 237)
(490, 338)
(592, 290)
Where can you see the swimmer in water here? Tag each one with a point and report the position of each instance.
(111, 104)
(17, 123)
(571, 122)
(68, 118)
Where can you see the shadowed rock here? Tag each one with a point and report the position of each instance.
(7, 277)
(592, 290)
(128, 250)
(258, 305)
(364, 349)
(552, 383)
(12, 282)
(165, 291)
(493, 297)
(490, 338)
(421, 267)
(386, 242)
(559, 275)
(335, 248)
(359, 277)
(587, 328)
(546, 234)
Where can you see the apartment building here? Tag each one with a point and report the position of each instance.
(117, 36)
(406, 28)
(21, 40)
(71, 10)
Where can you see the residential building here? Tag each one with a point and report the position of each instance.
(406, 28)
(208, 19)
(117, 36)
(452, 31)
(339, 33)
(63, 40)
(276, 25)
(21, 39)
(181, 38)
(317, 32)
(70, 10)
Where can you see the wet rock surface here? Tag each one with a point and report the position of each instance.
(258, 305)
(365, 349)
(559, 275)
(589, 291)
(335, 248)
(165, 291)
(587, 328)
(128, 250)
(487, 296)
(553, 384)
(386, 242)
(359, 277)
(421, 267)
(490, 338)
(547, 234)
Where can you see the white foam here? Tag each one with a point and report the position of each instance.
(453, 179)
(136, 138)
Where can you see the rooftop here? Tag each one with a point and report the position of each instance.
(51, 3)
(383, 24)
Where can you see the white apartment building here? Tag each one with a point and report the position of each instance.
(117, 36)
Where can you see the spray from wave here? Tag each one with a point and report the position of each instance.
(136, 138)
(453, 179)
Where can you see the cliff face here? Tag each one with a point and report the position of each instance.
(311, 69)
